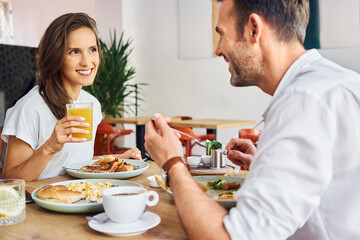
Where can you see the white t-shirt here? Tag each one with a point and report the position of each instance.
(32, 121)
(304, 179)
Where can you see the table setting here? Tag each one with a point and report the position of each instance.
(90, 218)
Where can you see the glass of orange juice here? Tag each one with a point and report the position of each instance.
(84, 110)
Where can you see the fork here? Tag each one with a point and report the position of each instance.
(225, 152)
(197, 141)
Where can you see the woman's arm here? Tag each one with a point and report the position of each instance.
(23, 162)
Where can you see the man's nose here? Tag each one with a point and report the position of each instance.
(218, 51)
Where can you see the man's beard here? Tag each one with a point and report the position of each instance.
(246, 69)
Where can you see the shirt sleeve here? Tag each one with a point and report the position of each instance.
(98, 113)
(289, 172)
(22, 122)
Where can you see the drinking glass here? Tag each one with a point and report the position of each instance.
(84, 110)
(12, 201)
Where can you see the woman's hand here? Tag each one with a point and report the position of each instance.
(160, 141)
(62, 130)
(240, 151)
(134, 153)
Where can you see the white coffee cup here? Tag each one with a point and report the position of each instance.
(126, 204)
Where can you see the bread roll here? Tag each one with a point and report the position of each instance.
(59, 194)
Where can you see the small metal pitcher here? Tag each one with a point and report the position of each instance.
(217, 158)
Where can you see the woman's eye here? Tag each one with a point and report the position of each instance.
(73, 52)
(93, 50)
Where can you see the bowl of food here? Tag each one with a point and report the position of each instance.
(219, 188)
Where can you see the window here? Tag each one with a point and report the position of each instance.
(6, 28)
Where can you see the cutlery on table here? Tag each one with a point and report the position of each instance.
(82, 170)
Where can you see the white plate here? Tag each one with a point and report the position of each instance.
(214, 194)
(145, 222)
(81, 206)
(138, 164)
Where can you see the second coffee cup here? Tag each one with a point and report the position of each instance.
(126, 204)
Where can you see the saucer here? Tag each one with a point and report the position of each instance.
(145, 222)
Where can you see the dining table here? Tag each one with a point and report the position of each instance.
(41, 223)
(210, 124)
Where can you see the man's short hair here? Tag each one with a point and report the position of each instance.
(288, 18)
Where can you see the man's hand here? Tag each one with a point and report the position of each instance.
(160, 141)
(240, 151)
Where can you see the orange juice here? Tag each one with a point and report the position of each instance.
(84, 110)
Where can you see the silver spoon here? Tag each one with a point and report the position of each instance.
(97, 220)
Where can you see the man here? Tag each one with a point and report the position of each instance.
(303, 178)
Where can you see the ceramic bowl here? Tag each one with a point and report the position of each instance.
(206, 160)
(194, 161)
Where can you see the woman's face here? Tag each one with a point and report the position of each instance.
(81, 61)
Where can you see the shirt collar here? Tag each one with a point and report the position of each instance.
(290, 75)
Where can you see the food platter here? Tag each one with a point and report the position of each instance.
(82, 206)
(140, 167)
(226, 203)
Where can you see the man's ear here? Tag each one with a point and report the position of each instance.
(255, 27)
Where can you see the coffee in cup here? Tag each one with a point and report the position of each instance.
(126, 204)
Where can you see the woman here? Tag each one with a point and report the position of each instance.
(37, 127)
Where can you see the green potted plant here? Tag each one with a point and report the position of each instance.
(112, 83)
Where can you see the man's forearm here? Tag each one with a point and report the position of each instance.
(201, 216)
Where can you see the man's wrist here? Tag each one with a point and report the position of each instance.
(172, 161)
(168, 165)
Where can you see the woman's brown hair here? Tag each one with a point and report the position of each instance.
(51, 55)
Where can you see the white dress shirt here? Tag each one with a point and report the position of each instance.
(32, 121)
(304, 179)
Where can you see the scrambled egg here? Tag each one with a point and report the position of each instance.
(92, 192)
(237, 173)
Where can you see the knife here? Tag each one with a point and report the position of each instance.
(82, 170)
